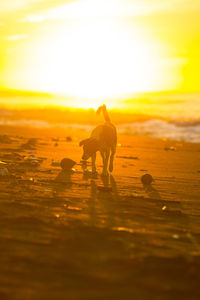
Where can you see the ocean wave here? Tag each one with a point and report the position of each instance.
(156, 128)
(180, 131)
(42, 124)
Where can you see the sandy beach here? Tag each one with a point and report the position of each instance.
(67, 67)
(70, 235)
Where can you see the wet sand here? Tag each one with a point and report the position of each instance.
(69, 235)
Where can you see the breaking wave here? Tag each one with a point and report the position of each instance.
(180, 131)
(188, 131)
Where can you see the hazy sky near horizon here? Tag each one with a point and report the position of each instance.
(100, 48)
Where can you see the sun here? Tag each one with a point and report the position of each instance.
(92, 60)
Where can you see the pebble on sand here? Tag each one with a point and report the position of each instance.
(170, 148)
(30, 144)
(146, 179)
(68, 139)
(67, 163)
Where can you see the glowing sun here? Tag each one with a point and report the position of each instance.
(94, 59)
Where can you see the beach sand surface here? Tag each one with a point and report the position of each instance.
(72, 235)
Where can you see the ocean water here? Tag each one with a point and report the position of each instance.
(174, 116)
(172, 130)
(188, 131)
(171, 106)
(171, 116)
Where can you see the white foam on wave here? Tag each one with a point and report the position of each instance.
(180, 131)
(163, 129)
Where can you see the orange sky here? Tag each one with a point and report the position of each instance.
(98, 49)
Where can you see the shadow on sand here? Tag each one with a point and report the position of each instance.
(102, 203)
(151, 192)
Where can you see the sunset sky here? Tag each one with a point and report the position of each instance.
(99, 49)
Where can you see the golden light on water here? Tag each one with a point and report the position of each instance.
(94, 51)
